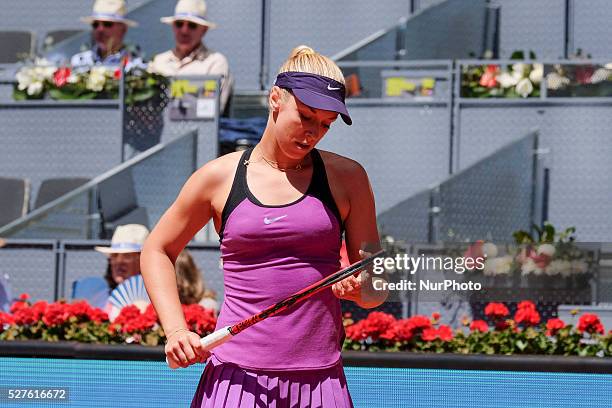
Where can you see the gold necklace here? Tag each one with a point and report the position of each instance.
(274, 164)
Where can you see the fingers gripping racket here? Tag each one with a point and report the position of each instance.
(226, 333)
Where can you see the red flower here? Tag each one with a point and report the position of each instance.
(139, 324)
(541, 260)
(354, 331)
(80, 309)
(126, 314)
(590, 323)
(39, 308)
(5, 319)
(374, 326)
(553, 326)
(406, 329)
(435, 316)
(528, 252)
(443, 333)
(150, 312)
(400, 330)
(83, 311)
(475, 250)
(199, 319)
(98, 316)
(130, 320)
(419, 322)
(117, 74)
(60, 77)
(488, 79)
(429, 334)
(55, 314)
(584, 74)
(503, 325)
(528, 316)
(23, 317)
(19, 305)
(23, 314)
(479, 325)
(526, 304)
(496, 311)
(24, 296)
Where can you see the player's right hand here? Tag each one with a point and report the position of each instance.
(183, 348)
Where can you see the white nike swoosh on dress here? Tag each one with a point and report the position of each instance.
(332, 89)
(269, 221)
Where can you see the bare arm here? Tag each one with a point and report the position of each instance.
(185, 217)
(361, 238)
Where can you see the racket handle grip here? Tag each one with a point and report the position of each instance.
(211, 341)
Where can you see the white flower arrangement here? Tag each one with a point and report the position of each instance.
(97, 82)
(32, 78)
(498, 266)
(517, 80)
(97, 78)
(552, 254)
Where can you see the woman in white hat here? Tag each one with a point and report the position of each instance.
(123, 262)
(109, 26)
(190, 56)
(124, 253)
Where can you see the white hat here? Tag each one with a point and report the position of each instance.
(127, 238)
(109, 10)
(190, 10)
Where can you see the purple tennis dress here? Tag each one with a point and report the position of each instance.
(270, 252)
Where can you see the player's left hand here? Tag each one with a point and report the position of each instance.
(350, 288)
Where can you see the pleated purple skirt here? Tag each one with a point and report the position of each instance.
(228, 385)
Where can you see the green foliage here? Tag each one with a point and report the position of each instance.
(546, 234)
(64, 84)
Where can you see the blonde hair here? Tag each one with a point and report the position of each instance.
(305, 59)
(189, 280)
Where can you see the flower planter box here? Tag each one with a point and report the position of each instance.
(452, 361)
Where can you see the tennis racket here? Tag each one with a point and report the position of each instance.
(226, 333)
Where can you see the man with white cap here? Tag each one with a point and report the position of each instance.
(190, 56)
(109, 27)
(124, 253)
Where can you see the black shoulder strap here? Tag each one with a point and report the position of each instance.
(237, 193)
(319, 187)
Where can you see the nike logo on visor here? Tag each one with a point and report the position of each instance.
(269, 221)
(332, 89)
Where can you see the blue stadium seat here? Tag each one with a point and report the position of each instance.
(119, 203)
(93, 289)
(16, 46)
(14, 201)
(53, 188)
(5, 295)
(54, 37)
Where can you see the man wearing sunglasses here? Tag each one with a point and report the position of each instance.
(109, 26)
(190, 56)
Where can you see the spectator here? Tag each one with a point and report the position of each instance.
(124, 253)
(123, 263)
(191, 286)
(109, 27)
(190, 56)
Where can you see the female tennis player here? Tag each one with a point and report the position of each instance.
(280, 209)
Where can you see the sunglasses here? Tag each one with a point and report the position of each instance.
(105, 24)
(191, 25)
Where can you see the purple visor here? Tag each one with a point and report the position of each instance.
(316, 91)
